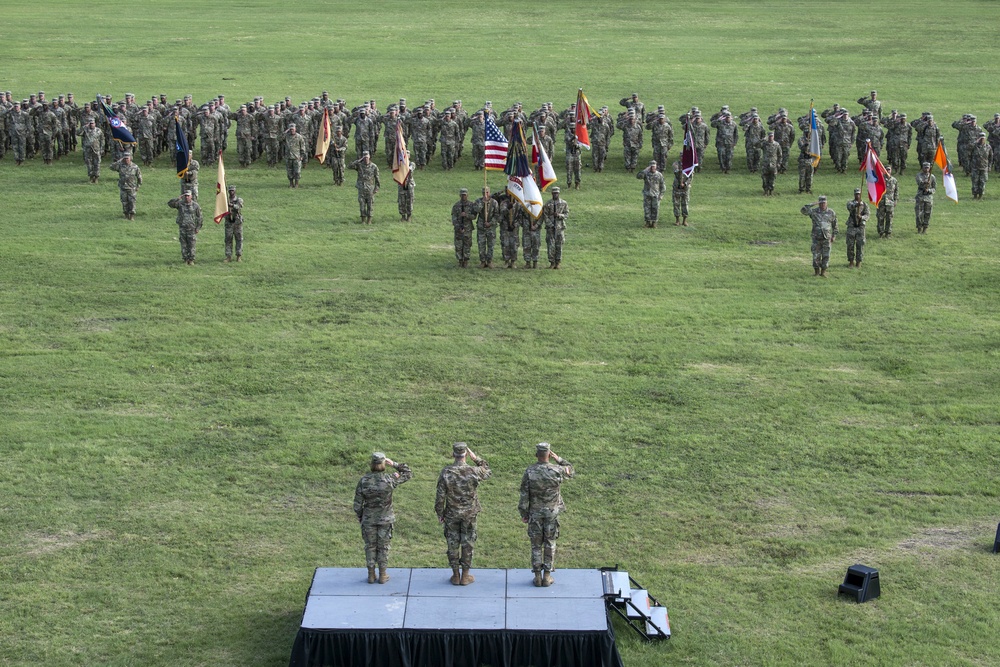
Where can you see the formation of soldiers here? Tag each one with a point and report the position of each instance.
(457, 507)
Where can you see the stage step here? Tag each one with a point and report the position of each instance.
(640, 599)
(658, 617)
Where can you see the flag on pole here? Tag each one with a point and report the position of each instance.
(941, 160)
(689, 155)
(543, 166)
(119, 132)
(582, 118)
(496, 146)
(815, 148)
(221, 194)
(401, 158)
(182, 149)
(520, 183)
(323, 137)
(874, 175)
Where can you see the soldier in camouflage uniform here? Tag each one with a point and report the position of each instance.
(531, 235)
(554, 213)
(404, 196)
(146, 134)
(968, 132)
(824, 233)
(48, 126)
(540, 505)
(478, 127)
(663, 139)
(928, 136)
(980, 159)
(129, 180)
(244, 134)
(806, 168)
(335, 156)
(681, 195)
(295, 155)
(726, 135)
(461, 219)
(208, 125)
(367, 185)
(631, 139)
(784, 134)
(487, 215)
(271, 132)
(601, 129)
(189, 181)
(769, 160)
(857, 218)
(373, 507)
(457, 506)
(510, 225)
(234, 226)
(887, 205)
(924, 200)
(449, 136)
(653, 189)
(188, 224)
(872, 104)
(899, 136)
(992, 128)
(842, 135)
(754, 134)
(93, 142)
(572, 147)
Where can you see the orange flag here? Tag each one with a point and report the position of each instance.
(221, 194)
(323, 137)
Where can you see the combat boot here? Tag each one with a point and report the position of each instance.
(556, 265)
(857, 265)
(822, 272)
(467, 577)
(456, 578)
(239, 258)
(815, 270)
(371, 575)
(538, 579)
(547, 579)
(527, 265)
(227, 260)
(677, 221)
(850, 264)
(534, 264)
(684, 222)
(383, 574)
(489, 264)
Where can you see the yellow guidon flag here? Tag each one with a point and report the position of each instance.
(323, 137)
(401, 157)
(221, 194)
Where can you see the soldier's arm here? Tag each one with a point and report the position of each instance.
(138, 177)
(524, 503)
(642, 174)
(173, 202)
(359, 501)
(198, 218)
(378, 184)
(405, 474)
(440, 498)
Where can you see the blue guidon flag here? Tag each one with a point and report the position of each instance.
(119, 132)
(183, 151)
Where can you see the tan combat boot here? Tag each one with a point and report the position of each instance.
(383, 574)
(456, 578)
(371, 575)
(547, 579)
(467, 578)
(538, 579)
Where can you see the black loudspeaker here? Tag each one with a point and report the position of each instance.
(996, 542)
(861, 583)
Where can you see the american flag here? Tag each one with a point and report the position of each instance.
(496, 146)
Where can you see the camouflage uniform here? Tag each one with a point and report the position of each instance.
(601, 129)
(555, 213)
(373, 507)
(726, 135)
(457, 506)
(271, 131)
(681, 193)
(295, 149)
(824, 230)
(769, 161)
(631, 141)
(784, 134)
(857, 217)
(899, 136)
(146, 135)
(189, 181)
(928, 136)
(487, 218)
(420, 130)
(806, 168)
(540, 505)
(188, 225)
(701, 135)
(753, 136)
(924, 200)
(572, 156)
(93, 142)
(531, 236)
(980, 159)
(208, 123)
(887, 207)
(653, 189)
(335, 156)
(404, 196)
(510, 224)
(449, 135)
(478, 126)
(367, 184)
(461, 220)
(129, 180)
(663, 140)
(48, 127)
(234, 226)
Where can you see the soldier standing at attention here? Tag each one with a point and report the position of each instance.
(681, 192)
(188, 224)
(373, 506)
(753, 137)
(338, 150)
(540, 506)
(824, 233)
(631, 139)
(887, 205)
(93, 143)
(872, 104)
(555, 212)
(367, 185)
(857, 217)
(404, 198)
(806, 168)
(726, 135)
(295, 148)
(189, 181)
(531, 236)
(653, 190)
(770, 158)
(980, 159)
(510, 225)
(487, 213)
(129, 180)
(234, 226)
(924, 201)
(457, 505)
(461, 220)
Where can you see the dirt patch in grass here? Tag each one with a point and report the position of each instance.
(40, 543)
(942, 539)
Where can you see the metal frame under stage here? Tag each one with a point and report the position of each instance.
(419, 618)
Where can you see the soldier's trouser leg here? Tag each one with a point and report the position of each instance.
(420, 153)
(543, 533)
(727, 158)
(923, 211)
(189, 242)
(600, 155)
(852, 238)
(365, 204)
(293, 169)
(478, 156)
(557, 245)
(536, 244)
(978, 181)
(467, 246)
(505, 243)
(767, 179)
(575, 169)
(631, 157)
(680, 202)
(207, 150)
(128, 201)
(820, 253)
(550, 244)
(486, 238)
(647, 209)
(243, 150)
(370, 536)
(459, 246)
(234, 232)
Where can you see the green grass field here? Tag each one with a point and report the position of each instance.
(179, 445)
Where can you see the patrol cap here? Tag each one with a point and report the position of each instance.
(378, 457)
(635, 94)
(542, 447)
(725, 106)
(459, 449)
(659, 107)
(926, 164)
(903, 115)
(188, 192)
(895, 111)
(463, 191)
(972, 117)
(402, 100)
(857, 191)
(366, 153)
(652, 163)
(821, 198)
(555, 190)
(232, 188)
(982, 135)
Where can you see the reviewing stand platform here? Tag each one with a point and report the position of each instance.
(418, 618)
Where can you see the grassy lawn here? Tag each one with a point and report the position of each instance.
(180, 444)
